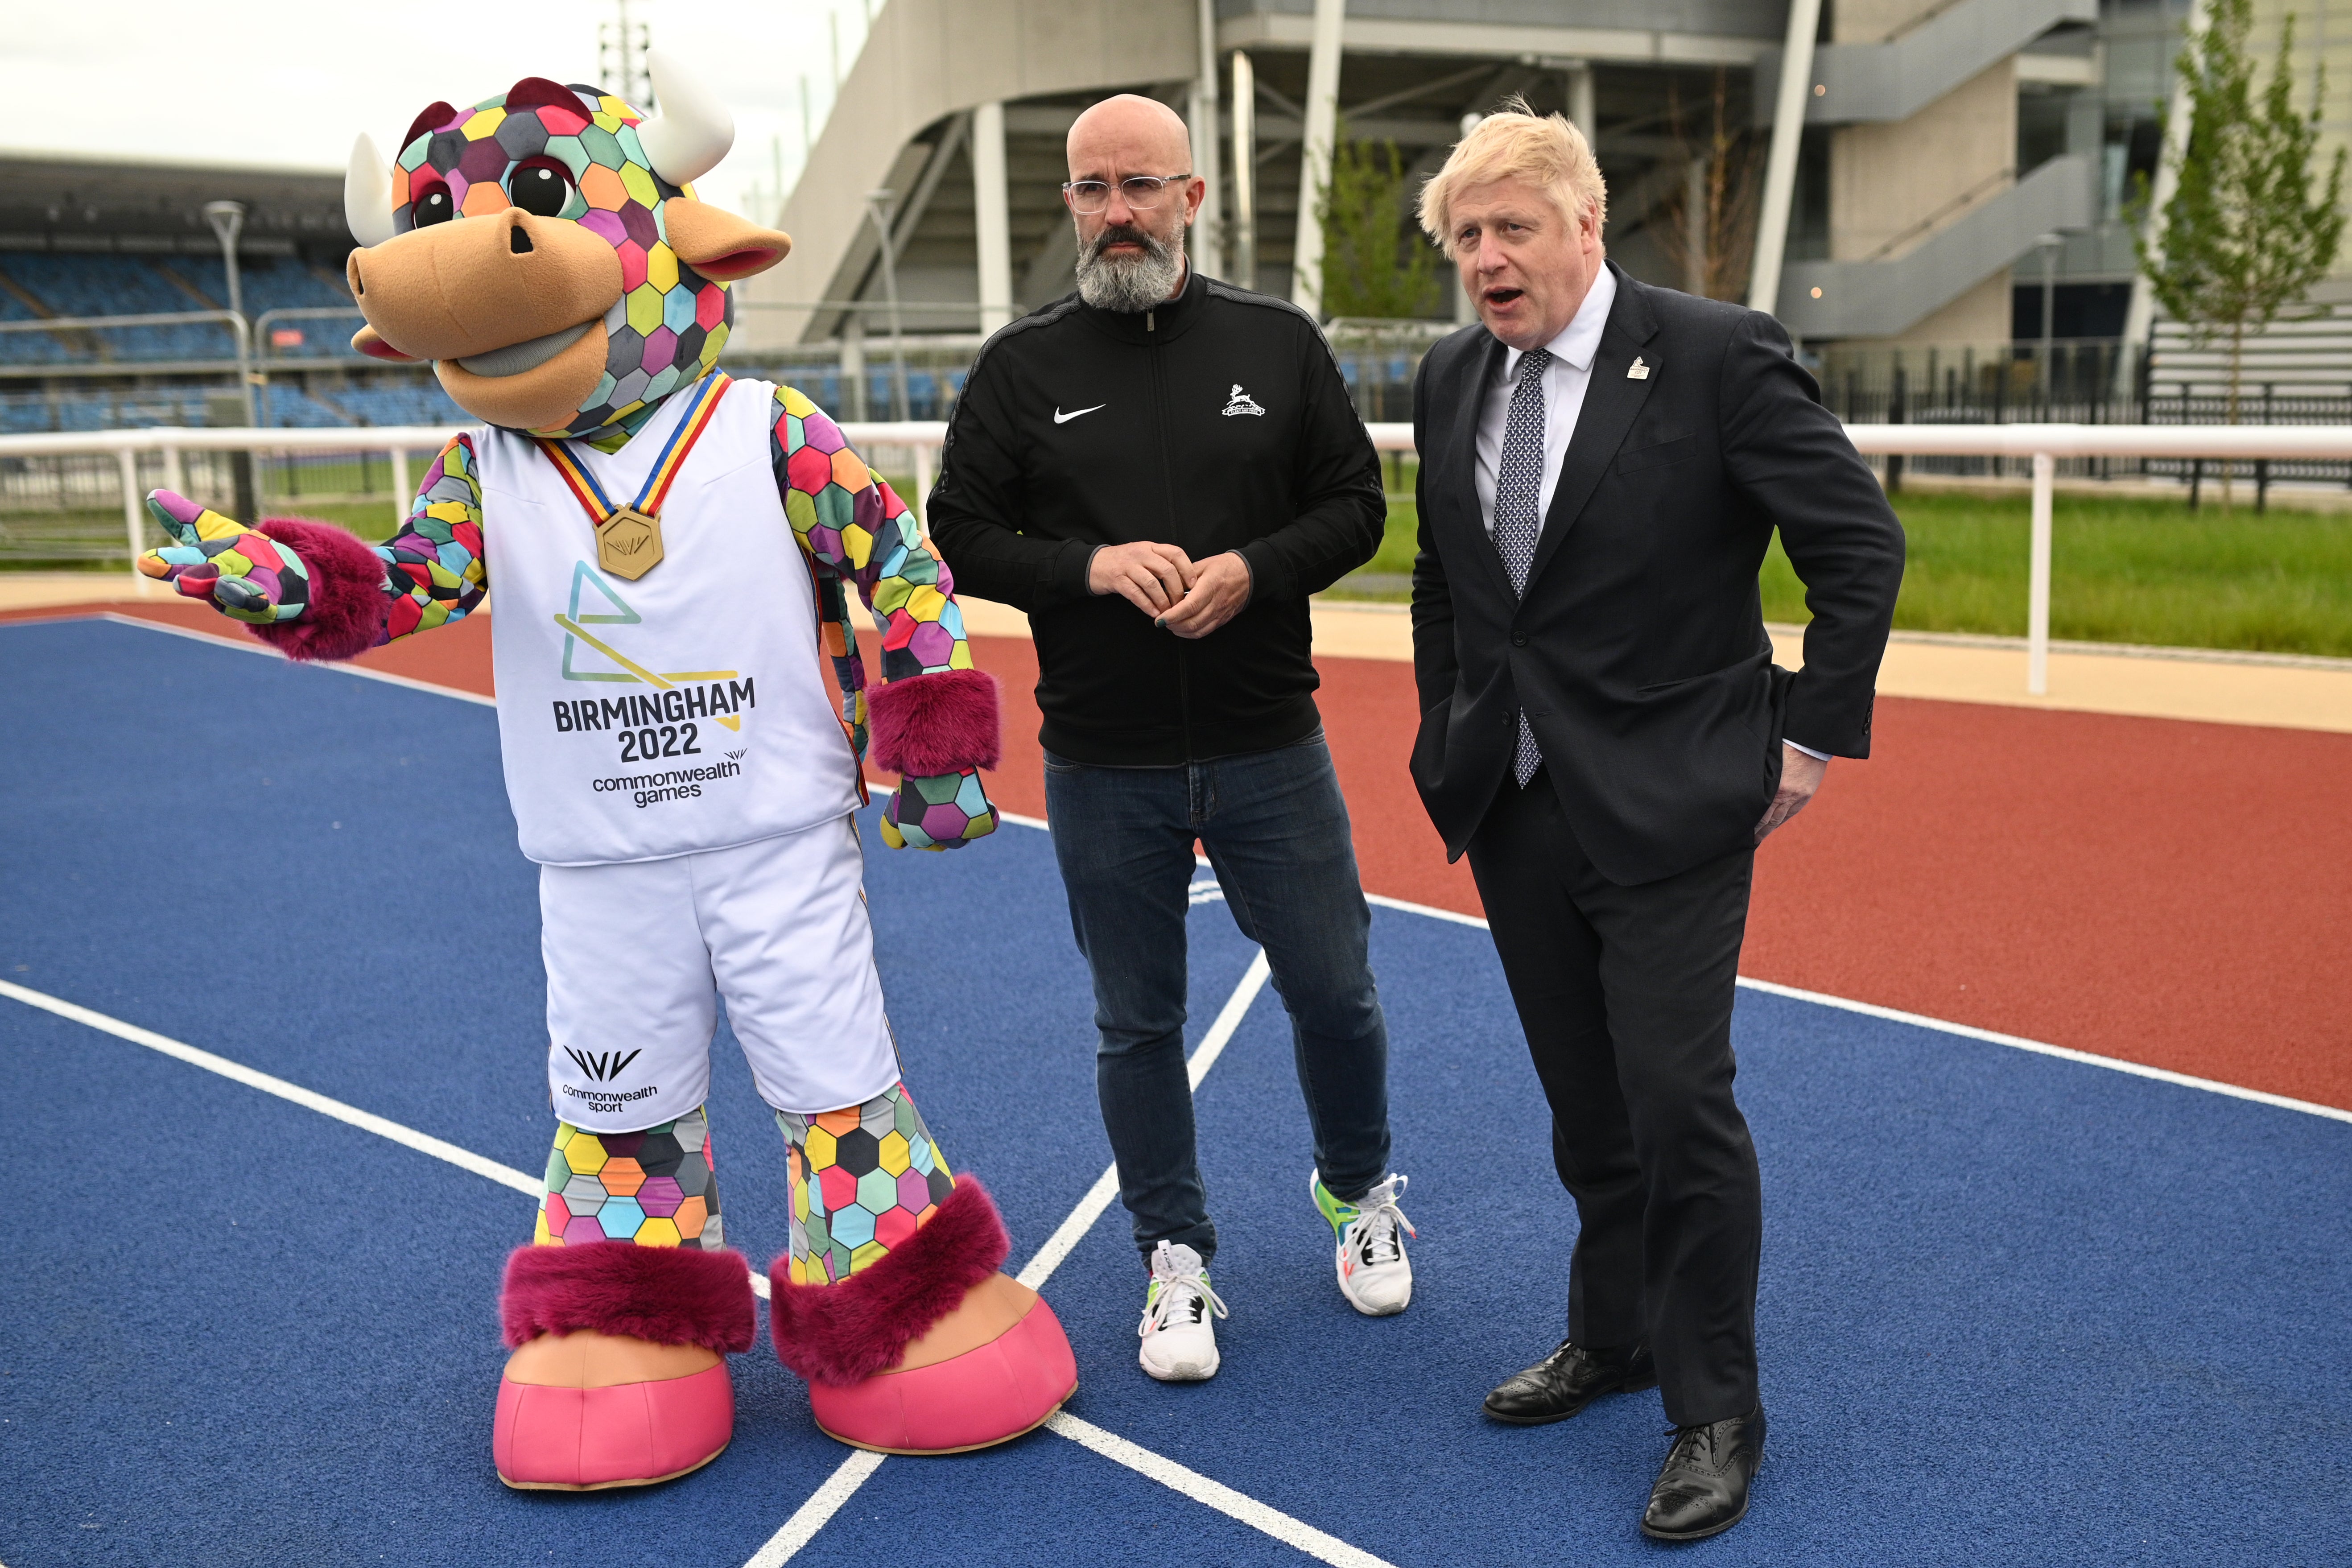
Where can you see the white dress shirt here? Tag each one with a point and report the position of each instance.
(1564, 382)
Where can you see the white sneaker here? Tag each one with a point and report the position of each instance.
(1179, 1340)
(1374, 1273)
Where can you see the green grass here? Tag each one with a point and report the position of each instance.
(2122, 570)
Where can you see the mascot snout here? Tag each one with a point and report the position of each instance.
(510, 305)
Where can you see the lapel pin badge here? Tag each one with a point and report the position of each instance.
(1637, 371)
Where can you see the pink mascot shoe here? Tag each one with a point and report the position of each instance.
(929, 1351)
(617, 1377)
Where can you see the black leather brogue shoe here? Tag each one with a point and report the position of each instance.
(1702, 1488)
(1568, 1380)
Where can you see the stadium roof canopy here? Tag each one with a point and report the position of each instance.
(53, 200)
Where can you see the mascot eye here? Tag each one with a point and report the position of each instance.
(433, 206)
(539, 188)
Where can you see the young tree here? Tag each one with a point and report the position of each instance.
(1711, 223)
(1375, 263)
(2242, 238)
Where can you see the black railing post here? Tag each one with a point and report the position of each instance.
(2262, 465)
(2000, 403)
(1894, 417)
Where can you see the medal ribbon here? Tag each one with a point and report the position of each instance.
(590, 494)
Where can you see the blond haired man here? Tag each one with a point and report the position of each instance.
(1604, 733)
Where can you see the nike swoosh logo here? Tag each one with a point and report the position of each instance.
(1062, 418)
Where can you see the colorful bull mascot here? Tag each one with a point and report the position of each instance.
(667, 543)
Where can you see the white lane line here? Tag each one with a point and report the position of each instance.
(1965, 1031)
(1224, 1498)
(250, 644)
(1071, 1231)
(2064, 1053)
(802, 1528)
(1453, 916)
(366, 1121)
(1236, 1008)
(854, 1471)
(803, 1525)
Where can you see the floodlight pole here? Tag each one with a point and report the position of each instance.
(878, 208)
(227, 220)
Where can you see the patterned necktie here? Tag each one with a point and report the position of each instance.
(1518, 515)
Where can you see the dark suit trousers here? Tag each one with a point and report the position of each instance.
(1626, 996)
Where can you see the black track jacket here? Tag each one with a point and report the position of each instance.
(1217, 422)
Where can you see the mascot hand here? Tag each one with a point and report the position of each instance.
(245, 573)
(943, 813)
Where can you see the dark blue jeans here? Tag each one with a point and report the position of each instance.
(1275, 829)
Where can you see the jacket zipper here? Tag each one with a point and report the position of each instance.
(1168, 490)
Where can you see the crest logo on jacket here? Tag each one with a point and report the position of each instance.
(1241, 403)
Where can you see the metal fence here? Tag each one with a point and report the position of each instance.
(2042, 447)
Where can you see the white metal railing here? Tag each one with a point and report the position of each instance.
(2043, 444)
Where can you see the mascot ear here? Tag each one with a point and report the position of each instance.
(718, 244)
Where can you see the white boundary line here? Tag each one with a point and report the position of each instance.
(1965, 1031)
(1215, 1494)
(852, 1472)
(813, 1515)
(310, 1100)
(1867, 1009)
(248, 644)
(803, 1526)
(2064, 1053)
(1073, 1230)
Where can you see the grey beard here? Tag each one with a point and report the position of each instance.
(1130, 284)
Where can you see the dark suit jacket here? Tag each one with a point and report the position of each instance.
(1639, 651)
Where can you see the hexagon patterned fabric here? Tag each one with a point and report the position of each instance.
(668, 327)
(657, 1188)
(863, 1180)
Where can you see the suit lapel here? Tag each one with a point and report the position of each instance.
(1612, 400)
(1480, 368)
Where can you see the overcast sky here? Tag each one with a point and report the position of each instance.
(288, 83)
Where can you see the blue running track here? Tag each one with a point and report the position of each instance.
(2016, 1310)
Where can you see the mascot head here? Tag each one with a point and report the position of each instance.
(544, 249)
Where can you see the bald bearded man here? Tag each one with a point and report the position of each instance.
(1160, 469)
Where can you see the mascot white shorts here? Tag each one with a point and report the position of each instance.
(638, 954)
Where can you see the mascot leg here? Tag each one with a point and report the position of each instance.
(890, 1302)
(618, 1314)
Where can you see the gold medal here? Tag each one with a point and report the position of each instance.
(629, 543)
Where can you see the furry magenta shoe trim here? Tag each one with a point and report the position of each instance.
(927, 726)
(669, 1295)
(348, 607)
(847, 1332)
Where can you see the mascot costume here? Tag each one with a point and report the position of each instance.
(669, 547)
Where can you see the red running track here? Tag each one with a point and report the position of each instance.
(2171, 893)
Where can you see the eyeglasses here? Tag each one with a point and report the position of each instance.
(1141, 192)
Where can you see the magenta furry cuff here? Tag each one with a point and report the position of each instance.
(670, 1295)
(844, 1333)
(348, 607)
(926, 726)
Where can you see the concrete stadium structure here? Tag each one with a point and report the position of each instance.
(1941, 141)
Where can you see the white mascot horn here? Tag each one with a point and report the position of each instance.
(367, 194)
(690, 130)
